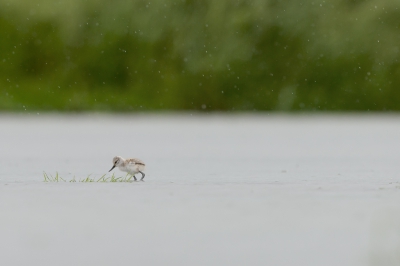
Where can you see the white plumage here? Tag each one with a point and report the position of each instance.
(132, 166)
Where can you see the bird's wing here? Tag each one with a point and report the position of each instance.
(135, 161)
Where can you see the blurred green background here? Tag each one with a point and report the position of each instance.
(224, 55)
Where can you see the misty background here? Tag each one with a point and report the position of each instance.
(258, 55)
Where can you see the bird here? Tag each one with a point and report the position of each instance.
(132, 166)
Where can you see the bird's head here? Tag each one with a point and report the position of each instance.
(117, 161)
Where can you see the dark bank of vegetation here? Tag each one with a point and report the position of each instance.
(199, 55)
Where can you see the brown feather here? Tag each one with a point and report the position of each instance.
(134, 161)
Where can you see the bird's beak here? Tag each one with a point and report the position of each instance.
(112, 168)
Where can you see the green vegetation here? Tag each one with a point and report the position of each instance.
(199, 55)
(88, 179)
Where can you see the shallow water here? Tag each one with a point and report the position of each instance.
(219, 190)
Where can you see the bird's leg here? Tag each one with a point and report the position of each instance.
(141, 179)
(134, 177)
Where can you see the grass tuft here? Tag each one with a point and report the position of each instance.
(88, 179)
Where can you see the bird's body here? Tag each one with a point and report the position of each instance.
(132, 166)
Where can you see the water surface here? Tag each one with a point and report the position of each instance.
(219, 190)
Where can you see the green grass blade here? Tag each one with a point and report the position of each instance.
(101, 178)
(46, 178)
